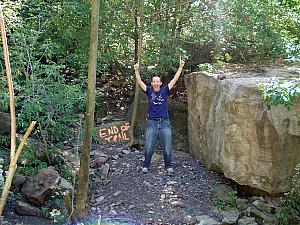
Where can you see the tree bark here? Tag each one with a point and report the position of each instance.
(136, 92)
(136, 37)
(83, 179)
(10, 88)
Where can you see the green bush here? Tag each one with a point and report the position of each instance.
(225, 202)
(39, 46)
(51, 102)
(289, 210)
(247, 31)
(4, 95)
(47, 99)
(30, 164)
(55, 208)
(280, 93)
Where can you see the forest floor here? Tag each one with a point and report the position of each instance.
(154, 197)
(129, 196)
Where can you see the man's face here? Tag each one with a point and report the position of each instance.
(156, 83)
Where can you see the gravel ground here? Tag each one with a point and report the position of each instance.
(155, 197)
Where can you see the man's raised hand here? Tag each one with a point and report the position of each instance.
(177, 74)
(138, 77)
(181, 63)
(136, 66)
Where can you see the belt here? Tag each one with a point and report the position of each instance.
(158, 119)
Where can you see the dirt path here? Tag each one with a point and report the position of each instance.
(131, 197)
(155, 197)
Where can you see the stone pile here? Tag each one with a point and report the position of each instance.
(36, 189)
(244, 211)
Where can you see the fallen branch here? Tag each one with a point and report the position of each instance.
(12, 168)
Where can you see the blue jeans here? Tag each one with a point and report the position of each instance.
(158, 130)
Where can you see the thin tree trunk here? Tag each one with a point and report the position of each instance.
(136, 92)
(136, 38)
(83, 179)
(10, 88)
(12, 168)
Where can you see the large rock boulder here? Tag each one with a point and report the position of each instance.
(232, 130)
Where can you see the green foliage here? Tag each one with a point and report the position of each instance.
(30, 163)
(68, 31)
(65, 172)
(4, 139)
(55, 208)
(32, 167)
(47, 99)
(280, 93)
(209, 67)
(290, 207)
(40, 45)
(294, 4)
(52, 102)
(230, 31)
(46, 33)
(4, 96)
(227, 202)
(249, 31)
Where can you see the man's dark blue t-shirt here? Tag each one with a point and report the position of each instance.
(158, 102)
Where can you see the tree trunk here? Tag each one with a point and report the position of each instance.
(10, 88)
(136, 38)
(83, 179)
(136, 92)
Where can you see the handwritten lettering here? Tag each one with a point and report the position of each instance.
(102, 133)
(114, 132)
(125, 127)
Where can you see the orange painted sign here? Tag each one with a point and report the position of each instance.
(114, 132)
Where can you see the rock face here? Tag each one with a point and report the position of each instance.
(232, 130)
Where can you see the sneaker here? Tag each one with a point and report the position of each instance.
(170, 171)
(145, 170)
